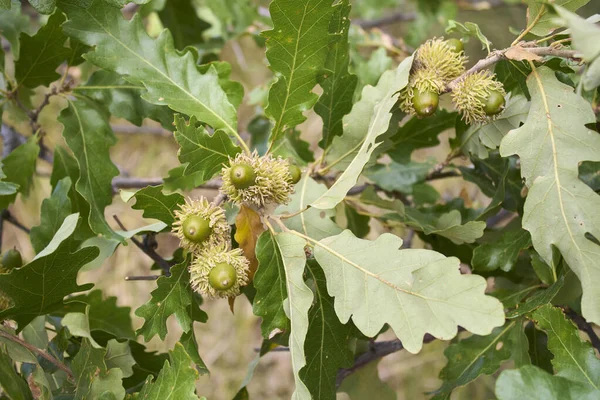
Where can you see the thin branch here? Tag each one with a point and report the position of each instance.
(499, 55)
(585, 326)
(389, 19)
(39, 352)
(148, 250)
(141, 130)
(126, 182)
(7, 216)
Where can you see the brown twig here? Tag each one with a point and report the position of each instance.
(499, 55)
(39, 352)
(142, 277)
(148, 250)
(7, 216)
(584, 326)
(126, 182)
(142, 130)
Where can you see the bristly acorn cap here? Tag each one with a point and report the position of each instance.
(470, 94)
(207, 259)
(215, 216)
(273, 182)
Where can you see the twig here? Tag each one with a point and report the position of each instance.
(376, 351)
(39, 352)
(142, 277)
(11, 139)
(499, 55)
(386, 20)
(143, 130)
(220, 198)
(585, 326)
(148, 250)
(7, 216)
(126, 182)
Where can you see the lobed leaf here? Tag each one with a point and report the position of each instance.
(89, 136)
(337, 83)
(37, 288)
(540, 18)
(368, 120)
(414, 291)
(155, 204)
(170, 78)
(54, 210)
(558, 209)
(312, 222)
(42, 54)
(19, 168)
(296, 49)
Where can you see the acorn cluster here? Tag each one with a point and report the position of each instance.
(478, 97)
(11, 259)
(217, 270)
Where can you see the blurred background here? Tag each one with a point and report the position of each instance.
(384, 32)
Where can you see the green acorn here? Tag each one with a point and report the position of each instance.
(257, 180)
(455, 44)
(217, 272)
(420, 81)
(295, 174)
(479, 97)
(199, 224)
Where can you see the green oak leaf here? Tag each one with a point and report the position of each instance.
(123, 99)
(270, 284)
(176, 380)
(204, 154)
(296, 49)
(370, 70)
(469, 29)
(365, 383)
(54, 210)
(173, 295)
(448, 225)
(589, 172)
(574, 358)
(375, 283)
(37, 288)
(170, 77)
(289, 145)
(12, 384)
(42, 53)
(43, 6)
(326, 346)
(479, 139)
(12, 23)
(189, 342)
(118, 355)
(155, 204)
(19, 168)
(418, 133)
(538, 299)
(94, 379)
(296, 305)
(103, 313)
(474, 356)
(531, 382)
(368, 120)
(314, 223)
(501, 253)
(89, 136)
(400, 177)
(6, 188)
(337, 83)
(180, 18)
(541, 18)
(65, 165)
(357, 223)
(558, 209)
(584, 34)
(78, 325)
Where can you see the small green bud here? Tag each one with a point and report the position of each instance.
(456, 45)
(12, 259)
(295, 173)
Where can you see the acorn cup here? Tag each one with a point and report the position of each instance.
(479, 97)
(257, 180)
(199, 224)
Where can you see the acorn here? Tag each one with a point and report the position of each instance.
(199, 224)
(425, 103)
(295, 174)
(11, 259)
(257, 180)
(494, 104)
(218, 272)
(242, 176)
(456, 45)
(479, 97)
